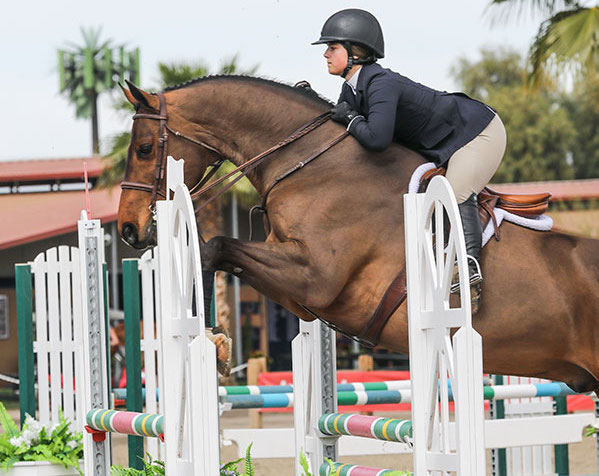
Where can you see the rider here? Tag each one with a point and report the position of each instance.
(380, 106)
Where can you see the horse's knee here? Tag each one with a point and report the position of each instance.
(211, 253)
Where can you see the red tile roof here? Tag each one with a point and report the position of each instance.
(36, 170)
(35, 216)
(29, 217)
(560, 189)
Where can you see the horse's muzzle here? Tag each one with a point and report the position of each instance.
(130, 234)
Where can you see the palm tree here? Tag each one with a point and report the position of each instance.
(567, 40)
(89, 69)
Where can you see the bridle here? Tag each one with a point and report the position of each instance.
(242, 170)
(160, 169)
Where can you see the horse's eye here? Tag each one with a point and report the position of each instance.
(144, 149)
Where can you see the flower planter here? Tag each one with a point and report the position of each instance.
(39, 468)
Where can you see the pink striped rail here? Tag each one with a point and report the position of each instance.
(129, 423)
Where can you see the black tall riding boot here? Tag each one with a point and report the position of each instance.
(473, 235)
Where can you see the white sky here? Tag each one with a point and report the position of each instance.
(423, 38)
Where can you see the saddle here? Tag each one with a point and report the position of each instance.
(528, 206)
(524, 205)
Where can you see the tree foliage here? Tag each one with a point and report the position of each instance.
(89, 69)
(567, 40)
(173, 74)
(75, 87)
(583, 108)
(540, 132)
(116, 160)
(540, 137)
(495, 70)
(176, 73)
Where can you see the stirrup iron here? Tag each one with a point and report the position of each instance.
(475, 275)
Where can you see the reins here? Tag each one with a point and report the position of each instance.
(251, 164)
(242, 170)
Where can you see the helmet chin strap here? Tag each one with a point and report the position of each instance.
(350, 59)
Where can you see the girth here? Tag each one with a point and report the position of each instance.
(370, 334)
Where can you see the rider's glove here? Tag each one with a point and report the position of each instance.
(343, 113)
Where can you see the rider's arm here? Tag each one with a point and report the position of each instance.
(376, 130)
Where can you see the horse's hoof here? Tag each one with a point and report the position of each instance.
(224, 354)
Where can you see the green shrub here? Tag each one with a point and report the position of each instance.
(35, 442)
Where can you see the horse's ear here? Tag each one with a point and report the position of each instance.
(139, 96)
(134, 102)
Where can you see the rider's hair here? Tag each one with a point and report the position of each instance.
(361, 51)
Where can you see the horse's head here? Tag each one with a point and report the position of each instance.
(157, 131)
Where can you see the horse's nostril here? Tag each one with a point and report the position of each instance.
(129, 233)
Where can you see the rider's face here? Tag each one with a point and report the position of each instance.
(336, 56)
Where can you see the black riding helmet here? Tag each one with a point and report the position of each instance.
(354, 26)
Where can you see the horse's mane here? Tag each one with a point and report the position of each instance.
(303, 91)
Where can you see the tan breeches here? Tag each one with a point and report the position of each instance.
(470, 168)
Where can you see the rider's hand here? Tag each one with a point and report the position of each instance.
(343, 113)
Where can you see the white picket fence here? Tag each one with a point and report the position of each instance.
(58, 333)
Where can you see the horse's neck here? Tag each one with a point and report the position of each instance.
(247, 120)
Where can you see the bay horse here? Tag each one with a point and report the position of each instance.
(336, 235)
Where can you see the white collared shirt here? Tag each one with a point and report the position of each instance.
(353, 81)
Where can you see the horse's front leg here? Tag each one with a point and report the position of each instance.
(285, 272)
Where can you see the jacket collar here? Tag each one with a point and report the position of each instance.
(353, 81)
(366, 73)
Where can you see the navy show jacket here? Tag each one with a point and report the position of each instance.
(395, 108)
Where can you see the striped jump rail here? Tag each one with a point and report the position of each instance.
(233, 390)
(341, 387)
(223, 391)
(550, 389)
(379, 397)
(129, 423)
(342, 469)
(265, 400)
(378, 428)
(121, 393)
(285, 400)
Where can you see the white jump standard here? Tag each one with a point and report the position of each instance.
(189, 390)
(437, 362)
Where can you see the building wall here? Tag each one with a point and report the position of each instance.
(8, 347)
(28, 252)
